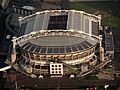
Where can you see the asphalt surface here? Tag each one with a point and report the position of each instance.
(61, 83)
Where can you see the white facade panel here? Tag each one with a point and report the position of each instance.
(83, 23)
(56, 69)
(77, 21)
(38, 22)
(70, 20)
(30, 25)
(46, 21)
(86, 19)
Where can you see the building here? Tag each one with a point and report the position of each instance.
(109, 42)
(56, 43)
(42, 4)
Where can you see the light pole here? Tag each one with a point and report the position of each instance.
(16, 88)
(58, 86)
(106, 86)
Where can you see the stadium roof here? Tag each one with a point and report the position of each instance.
(59, 19)
(58, 43)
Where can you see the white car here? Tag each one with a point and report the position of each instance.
(8, 37)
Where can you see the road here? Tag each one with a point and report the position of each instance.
(54, 83)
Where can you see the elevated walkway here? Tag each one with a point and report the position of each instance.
(19, 69)
(5, 68)
(102, 64)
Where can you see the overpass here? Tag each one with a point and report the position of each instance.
(5, 68)
(102, 64)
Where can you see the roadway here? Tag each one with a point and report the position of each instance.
(54, 83)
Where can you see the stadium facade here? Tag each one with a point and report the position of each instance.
(56, 43)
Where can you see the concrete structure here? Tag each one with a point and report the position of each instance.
(65, 38)
(25, 10)
(84, 68)
(109, 42)
(101, 53)
(4, 3)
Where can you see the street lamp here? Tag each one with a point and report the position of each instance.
(106, 86)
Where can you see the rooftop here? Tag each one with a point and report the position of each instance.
(58, 42)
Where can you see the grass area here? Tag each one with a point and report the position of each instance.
(110, 10)
(81, 6)
(108, 69)
(112, 21)
(92, 77)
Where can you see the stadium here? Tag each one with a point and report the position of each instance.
(56, 43)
